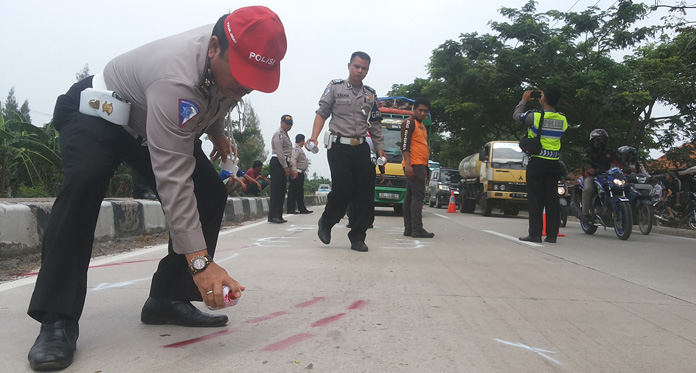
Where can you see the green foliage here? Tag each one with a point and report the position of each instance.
(247, 134)
(10, 109)
(32, 191)
(27, 156)
(312, 184)
(475, 82)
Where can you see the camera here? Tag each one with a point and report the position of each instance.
(535, 94)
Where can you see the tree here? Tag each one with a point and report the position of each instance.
(11, 108)
(82, 73)
(247, 134)
(475, 82)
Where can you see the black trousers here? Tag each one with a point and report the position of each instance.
(140, 184)
(542, 193)
(352, 181)
(413, 201)
(91, 150)
(296, 194)
(278, 188)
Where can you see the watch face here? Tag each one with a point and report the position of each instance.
(198, 263)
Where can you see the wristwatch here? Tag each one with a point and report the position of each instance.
(199, 264)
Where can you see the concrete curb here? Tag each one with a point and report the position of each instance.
(23, 222)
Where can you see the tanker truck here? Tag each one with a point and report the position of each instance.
(494, 178)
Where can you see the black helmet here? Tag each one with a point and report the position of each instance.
(627, 154)
(600, 134)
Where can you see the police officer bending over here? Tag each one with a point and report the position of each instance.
(178, 88)
(352, 107)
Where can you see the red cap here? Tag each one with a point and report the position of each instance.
(257, 44)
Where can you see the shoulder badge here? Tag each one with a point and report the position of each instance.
(187, 111)
(337, 81)
(371, 89)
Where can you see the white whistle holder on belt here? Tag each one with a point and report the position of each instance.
(102, 103)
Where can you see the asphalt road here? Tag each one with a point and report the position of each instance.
(473, 299)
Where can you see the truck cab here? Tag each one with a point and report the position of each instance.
(495, 177)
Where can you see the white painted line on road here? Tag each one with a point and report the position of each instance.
(514, 239)
(106, 285)
(442, 216)
(407, 244)
(537, 351)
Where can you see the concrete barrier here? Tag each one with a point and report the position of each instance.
(23, 222)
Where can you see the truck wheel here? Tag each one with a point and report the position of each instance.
(469, 206)
(486, 207)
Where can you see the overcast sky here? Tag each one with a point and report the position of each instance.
(45, 43)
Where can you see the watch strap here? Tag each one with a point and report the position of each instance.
(208, 260)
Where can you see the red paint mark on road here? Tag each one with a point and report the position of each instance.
(328, 320)
(309, 302)
(267, 317)
(360, 304)
(297, 338)
(200, 339)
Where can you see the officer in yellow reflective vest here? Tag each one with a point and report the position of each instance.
(543, 170)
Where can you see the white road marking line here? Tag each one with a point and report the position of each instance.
(106, 285)
(514, 239)
(537, 351)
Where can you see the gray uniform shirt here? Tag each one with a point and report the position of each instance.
(351, 108)
(282, 147)
(299, 159)
(171, 109)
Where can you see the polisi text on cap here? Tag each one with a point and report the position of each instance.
(262, 59)
(229, 30)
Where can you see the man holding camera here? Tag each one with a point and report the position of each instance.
(543, 170)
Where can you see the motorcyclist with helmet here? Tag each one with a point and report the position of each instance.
(595, 160)
(629, 157)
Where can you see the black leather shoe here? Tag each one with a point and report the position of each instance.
(293, 212)
(530, 239)
(422, 234)
(550, 239)
(324, 233)
(306, 212)
(277, 220)
(359, 246)
(55, 346)
(407, 233)
(157, 311)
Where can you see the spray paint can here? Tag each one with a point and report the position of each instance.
(230, 299)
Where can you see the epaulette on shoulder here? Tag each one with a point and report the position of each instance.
(337, 81)
(371, 89)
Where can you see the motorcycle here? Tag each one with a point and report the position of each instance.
(610, 207)
(638, 194)
(686, 215)
(564, 199)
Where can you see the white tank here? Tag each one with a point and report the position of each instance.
(469, 166)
